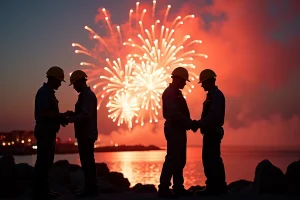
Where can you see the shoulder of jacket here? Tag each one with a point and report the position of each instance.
(88, 94)
(172, 93)
(43, 91)
(218, 94)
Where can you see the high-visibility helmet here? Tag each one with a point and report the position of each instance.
(77, 75)
(181, 72)
(57, 73)
(206, 74)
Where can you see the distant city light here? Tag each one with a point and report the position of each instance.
(34, 147)
(22, 141)
(3, 144)
(29, 140)
(75, 143)
(116, 145)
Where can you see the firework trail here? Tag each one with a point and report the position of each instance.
(153, 51)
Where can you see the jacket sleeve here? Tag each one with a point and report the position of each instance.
(85, 110)
(173, 112)
(43, 104)
(215, 114)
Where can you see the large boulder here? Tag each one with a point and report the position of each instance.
(239, 186)
(8, 181)
(102, 170)
(24, 175)
(196, 188)
(76, 177)
(107, 187)
(59, 173)
(293, 178)
(24, 172)
(147, 188)
(117, 179)
(269, 179)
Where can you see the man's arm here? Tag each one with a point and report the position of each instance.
(86, 110)
(43, 101)
(174, 113)
(215, 112)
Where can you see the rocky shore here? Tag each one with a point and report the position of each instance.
(269, 182)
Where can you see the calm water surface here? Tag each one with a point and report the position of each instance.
(145, 167)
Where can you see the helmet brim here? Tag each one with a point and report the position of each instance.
(206, 79)
(63, 80)
(78, 80)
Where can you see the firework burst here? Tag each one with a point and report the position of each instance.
(134, 89)
(148, 82)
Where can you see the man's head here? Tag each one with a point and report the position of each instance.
(207, 79)
(55, 76)
(180, 75)
(78, 80)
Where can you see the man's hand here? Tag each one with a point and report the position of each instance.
(194, 126)
(64, 121)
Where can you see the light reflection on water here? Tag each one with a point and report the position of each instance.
(145, 166)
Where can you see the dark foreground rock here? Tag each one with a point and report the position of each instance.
(16, 180)
(269, 179)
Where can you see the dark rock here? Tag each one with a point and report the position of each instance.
(195, 188)
(102, 170)
(269, 179)
(8, 181)
(76, 177)
(118, 180)
(106, 187)
(238, 186)
(73, 168)
(59, 173)
(62, 164)
(293, 178)
(7, 161)
(147, 188)
(24, 174)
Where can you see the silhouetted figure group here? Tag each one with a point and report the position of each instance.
(48, 121)
(177, 122)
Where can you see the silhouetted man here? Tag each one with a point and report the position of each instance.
(48, 120)
(211, 126)
(178, 121)
(86, 131)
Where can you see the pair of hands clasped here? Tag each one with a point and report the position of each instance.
(65, 118)
(195, 125)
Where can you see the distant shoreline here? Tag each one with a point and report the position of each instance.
(71, 149)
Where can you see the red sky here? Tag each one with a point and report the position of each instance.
(257, 74)
(255, 54)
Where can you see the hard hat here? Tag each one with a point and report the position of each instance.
(77, 75)
(56, 72)
(181, 72)
(206, 74)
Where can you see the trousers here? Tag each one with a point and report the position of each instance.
(87, 160)
(175, 159)
(44, 159)
(213, 165)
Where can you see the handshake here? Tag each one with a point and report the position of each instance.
(195, 125)
(64, 118)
